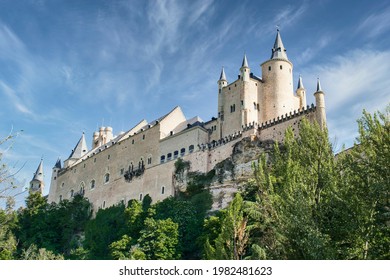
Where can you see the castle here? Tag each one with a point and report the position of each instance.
(141, 160)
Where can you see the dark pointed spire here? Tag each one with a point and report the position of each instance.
(244, 62)
(38, 175)
(278, 51)
(58, 164)
(300, 83)
(319, 85)
(223, 76)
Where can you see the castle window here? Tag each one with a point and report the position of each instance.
(92, 185)
(169, 156)
(191, 148)
(281, 67)
(269, 68)
(94, 160)
(85, 165)
(104, 204)
(55, 178)
(132, 142)
(182, 152)
(175, 154)
(82, 189)
(122, 171)
(233, 108)
(258, 107)
(254, 105)
(149, 160)
(219, 90)
(62, 185)
(60, 198)
(143, 137)
(140, 196)
(109, 156)
(162, 159)
(106, 178)
(162, 190)
(242, 102)
(71, 193)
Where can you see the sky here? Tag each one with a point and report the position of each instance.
(68, 67)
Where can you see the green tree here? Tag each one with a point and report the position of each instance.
(159, 240)
(232, 241)
(365, 183)
(108, 226)
(289, 197)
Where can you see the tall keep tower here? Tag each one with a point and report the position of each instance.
(278, 95)
(37, 183)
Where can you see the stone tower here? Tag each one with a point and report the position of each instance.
(37, 183)
(320, 104)
(301, 93)
(54, 175)
(278, 97)
(222, 83)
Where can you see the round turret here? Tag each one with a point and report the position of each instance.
(320, 104)
(277, 97)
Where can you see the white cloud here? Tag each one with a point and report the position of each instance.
(16, 101)
(375, 24)
(355, 81)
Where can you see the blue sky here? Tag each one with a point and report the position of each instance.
(72, 66)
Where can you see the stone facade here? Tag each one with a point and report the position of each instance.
(141, 160)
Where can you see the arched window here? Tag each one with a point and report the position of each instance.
(92, 185)
(82, 188)
(140, 196)
(175, 154)
(182, 152)
(191, 148)
(162, 159)
(162, 190)
(169, 156)
(106, 178)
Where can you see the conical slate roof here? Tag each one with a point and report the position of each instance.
(223, 76)
(38, 175)
(80, 150)
(278, 51)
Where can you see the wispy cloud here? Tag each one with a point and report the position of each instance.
(355, 81)
(375, 24)
(315, 49)
(16, 101)
(289, 15)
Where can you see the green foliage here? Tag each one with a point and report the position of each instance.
(366, 188)
(121, 249)
(232, 241)
(185, 214)
(159, 239)
(108, 226)
(55, 227)
(35, 253)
